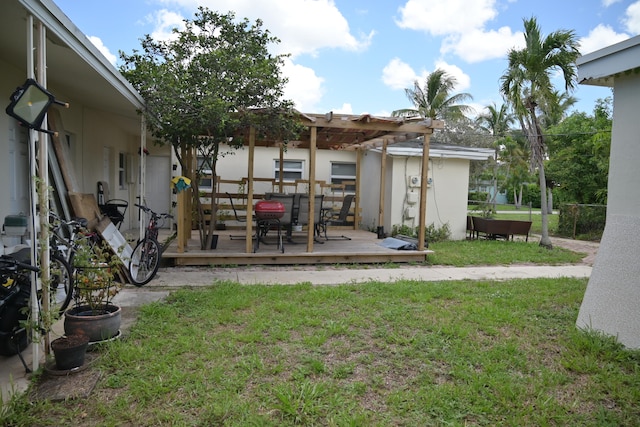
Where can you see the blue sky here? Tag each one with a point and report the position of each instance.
(357, 56)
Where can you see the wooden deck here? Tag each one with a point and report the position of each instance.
(363, 248)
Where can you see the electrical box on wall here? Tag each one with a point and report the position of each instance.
(412, 198)
(410, 213)
(414, 181)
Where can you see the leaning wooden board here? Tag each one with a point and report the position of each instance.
(85, 205)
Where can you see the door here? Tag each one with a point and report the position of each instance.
(158, 184)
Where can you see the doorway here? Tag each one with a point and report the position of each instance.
(158, 184)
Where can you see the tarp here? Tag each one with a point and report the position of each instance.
(401, 245)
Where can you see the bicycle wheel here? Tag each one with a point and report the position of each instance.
(61, 285)
(145, 261)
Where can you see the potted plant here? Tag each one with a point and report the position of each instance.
(69, 351)
(96, 268)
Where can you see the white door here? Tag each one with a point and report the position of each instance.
(158, 184)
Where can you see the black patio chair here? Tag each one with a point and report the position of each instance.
(114, 209)
(330, 219)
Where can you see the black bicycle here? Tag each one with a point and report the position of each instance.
(145, 259)
(15, 296)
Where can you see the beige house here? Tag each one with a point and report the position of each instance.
(100, 132)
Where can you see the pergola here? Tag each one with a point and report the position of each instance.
(335, 132)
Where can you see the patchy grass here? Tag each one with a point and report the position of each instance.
(408, 353)
(498, 252)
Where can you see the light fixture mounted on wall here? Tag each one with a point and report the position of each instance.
(30, 103)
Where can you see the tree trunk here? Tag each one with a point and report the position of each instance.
(545, 241)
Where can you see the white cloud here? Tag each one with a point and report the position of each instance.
(304, 87)
(607, 3)
(632, 18)
(303, 26)
(97, 42)
(399, 75)
(346, 108)
(463, 81)
(442, 17)
(601, 36)
(164, 22)
(478, 45)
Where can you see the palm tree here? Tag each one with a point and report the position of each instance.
(497, 121)
(435, 100)
(527, 86)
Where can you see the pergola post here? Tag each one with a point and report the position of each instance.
(423, 191)
(312, 187)
(250, 165)
(383, 172)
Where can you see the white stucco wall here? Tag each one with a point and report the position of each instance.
(446, 195)
(611, 300)
(90, 130)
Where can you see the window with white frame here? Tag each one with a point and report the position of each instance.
(291, 170)
(341, 172)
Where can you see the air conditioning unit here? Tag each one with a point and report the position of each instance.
(414, 181)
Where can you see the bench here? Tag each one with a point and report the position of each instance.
(498, 228)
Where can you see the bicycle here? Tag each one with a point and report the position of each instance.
(15, 296)
(63, 241)
(145, 258)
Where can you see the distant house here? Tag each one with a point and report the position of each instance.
(612, 297)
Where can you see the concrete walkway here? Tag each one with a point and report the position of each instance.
(14, 379)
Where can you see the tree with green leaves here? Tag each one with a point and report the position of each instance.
(527, 85)
(496, 120)
(208, 82)
(579, 160)
(436, 99)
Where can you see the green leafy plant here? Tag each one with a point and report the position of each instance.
(96, 266)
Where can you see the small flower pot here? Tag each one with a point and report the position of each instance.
(69, 351)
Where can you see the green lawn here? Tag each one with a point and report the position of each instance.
(409, 353)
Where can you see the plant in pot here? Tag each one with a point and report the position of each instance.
(96, 270)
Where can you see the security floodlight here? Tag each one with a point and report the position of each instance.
(30, 103)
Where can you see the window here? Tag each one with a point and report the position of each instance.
(341, 172)
(291, 170)
(206, 178)
(122, 170)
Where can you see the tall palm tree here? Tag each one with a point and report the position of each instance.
(527, 85)
(497, 120)
(435, 100)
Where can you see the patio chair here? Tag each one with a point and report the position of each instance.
(288, 200)
(114, 209)
(329, 219)
(239, 218)
(303, 214)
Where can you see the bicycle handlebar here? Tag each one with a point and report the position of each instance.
(15, 264)
(148, 210)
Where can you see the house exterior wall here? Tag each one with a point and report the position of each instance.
(446, 194)
(91, 132)
(611, 300)
(235, 166)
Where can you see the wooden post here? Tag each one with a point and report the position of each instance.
(249, 230)
(423, 191)
(383, 171)
(312, 187)
(183, 233)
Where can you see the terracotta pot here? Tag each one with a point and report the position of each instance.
(69, 351)
(99, 326)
